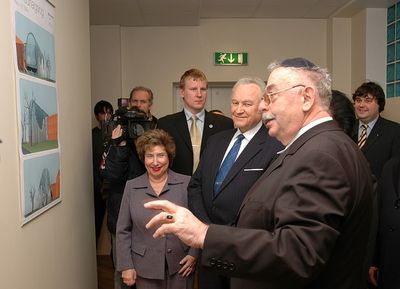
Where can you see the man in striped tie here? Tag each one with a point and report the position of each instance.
(377, 137)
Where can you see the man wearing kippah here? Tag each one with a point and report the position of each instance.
(305, 221)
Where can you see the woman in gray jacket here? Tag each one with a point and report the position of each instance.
(164, 263)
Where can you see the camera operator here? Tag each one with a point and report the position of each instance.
(142, 98)
(121, 163)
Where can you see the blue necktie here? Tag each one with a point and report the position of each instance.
(227, 163)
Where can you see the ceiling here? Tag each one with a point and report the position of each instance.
(190, 12)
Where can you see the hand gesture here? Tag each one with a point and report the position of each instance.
(179, 221)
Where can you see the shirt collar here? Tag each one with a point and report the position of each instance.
(200, 116)
(248, 135)
(306, 128)
(370, 124)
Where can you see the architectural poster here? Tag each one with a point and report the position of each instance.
(37, 106)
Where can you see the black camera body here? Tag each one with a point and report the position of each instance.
(133, 122)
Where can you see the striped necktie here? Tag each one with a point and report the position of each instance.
(195, 137)
(363, 136)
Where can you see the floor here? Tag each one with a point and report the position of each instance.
(105, 272)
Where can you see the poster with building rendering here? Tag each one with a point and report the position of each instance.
(37, 106)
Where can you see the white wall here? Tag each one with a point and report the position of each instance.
(105, 52)
(375, 56)
(157, 56)
(358, 49)
(339, 53)
(57, 249)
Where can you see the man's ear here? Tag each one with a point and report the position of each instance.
(181, 92)
(308, 97)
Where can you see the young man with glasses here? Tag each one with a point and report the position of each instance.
(305, 221)
(381, 139)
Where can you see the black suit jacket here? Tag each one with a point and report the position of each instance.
(222, 209)
(304, 222)
(388, 242)
(176, 125)
(248, 167)
(383, 143)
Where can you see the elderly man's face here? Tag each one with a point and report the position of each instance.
(284, 115)
(244, 106)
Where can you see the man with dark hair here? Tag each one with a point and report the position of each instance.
(191, 127)
(305, 221)
(102, 111)
(142, 98)
(377, 137)
(379, 140)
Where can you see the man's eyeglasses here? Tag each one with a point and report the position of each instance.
(367, 100)
(267, 98)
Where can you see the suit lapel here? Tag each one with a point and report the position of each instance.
(208, 129)
(183, 130)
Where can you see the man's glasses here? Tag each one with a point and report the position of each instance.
(267, 98)
(367, 100)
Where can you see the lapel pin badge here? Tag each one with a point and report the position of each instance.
(210, 126)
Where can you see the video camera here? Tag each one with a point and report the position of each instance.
(133, 122)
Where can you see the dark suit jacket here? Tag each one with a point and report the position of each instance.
(176, 125)
(388, 244)
(383, 143)
(222, 209)
(249, 166)
(304, 222)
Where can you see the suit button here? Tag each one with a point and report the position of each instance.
(391, 229)
(232, 267)
(212, 262)
(225, 266)
(169, 250)
(219, 264)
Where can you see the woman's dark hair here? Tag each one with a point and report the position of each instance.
(342, 111)
(152, 138)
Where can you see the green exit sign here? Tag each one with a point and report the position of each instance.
(230, 58)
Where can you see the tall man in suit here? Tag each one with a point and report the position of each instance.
(220, 203)
(304, 222)
(193, 90)
(382, 136)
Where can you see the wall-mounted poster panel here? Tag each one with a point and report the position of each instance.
(37, 106)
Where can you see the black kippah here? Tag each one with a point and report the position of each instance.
(297, 62)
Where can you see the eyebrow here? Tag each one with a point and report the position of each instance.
(271, 86)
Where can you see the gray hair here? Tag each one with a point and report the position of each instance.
(251, 80)
(319, 76)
